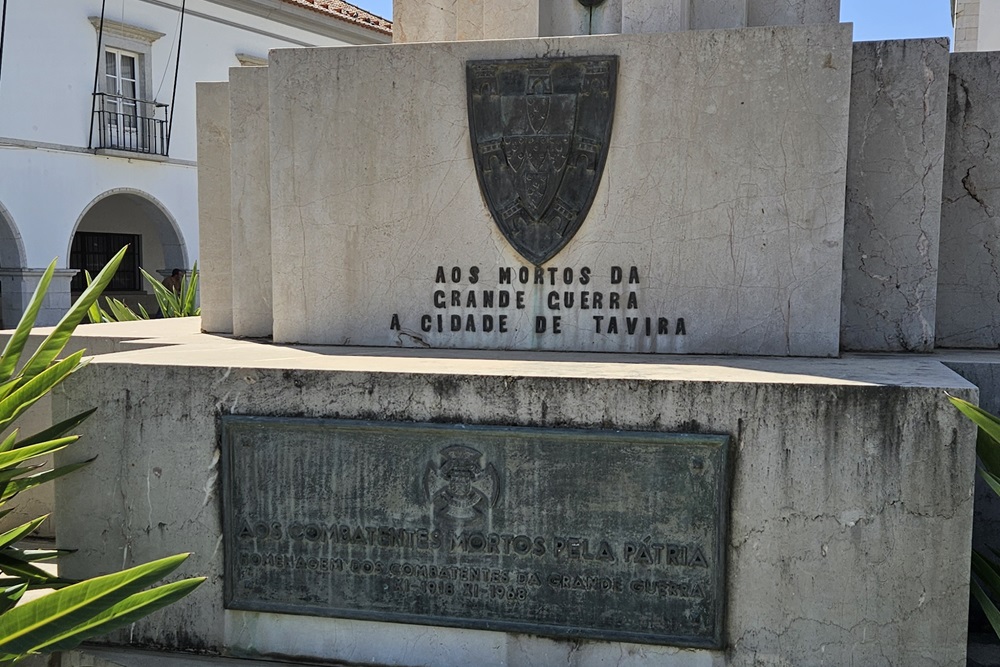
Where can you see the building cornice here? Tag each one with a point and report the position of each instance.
(126, 30)
(247, 60)
(304, 19)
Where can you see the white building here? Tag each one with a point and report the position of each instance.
(977, 25)
(97, 139)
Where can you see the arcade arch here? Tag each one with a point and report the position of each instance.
(126, 216)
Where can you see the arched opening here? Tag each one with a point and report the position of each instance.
(127, 217)
(12, 259)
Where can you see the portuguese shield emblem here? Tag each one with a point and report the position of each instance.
(540, 130)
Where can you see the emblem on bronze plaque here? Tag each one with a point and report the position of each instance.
(460, 488)
(540, 130)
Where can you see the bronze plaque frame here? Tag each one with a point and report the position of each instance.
(569, 533)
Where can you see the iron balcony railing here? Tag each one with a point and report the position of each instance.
(128, 124)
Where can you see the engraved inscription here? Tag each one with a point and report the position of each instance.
(569, 533)
(565, 301)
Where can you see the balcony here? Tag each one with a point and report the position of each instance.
(130, 125)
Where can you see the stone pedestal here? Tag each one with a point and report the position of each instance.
(849, 524)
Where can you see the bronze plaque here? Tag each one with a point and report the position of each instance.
(568, 533)
(540, 130)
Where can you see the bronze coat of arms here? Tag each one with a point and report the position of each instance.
(540, 130)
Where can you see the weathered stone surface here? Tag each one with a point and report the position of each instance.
(572, 18)
(893, 215)
(850, 525)
(251, 201)
(726, 197)
(969, 277)
(214, 208)
(448, 20)
(783, 12)
(969, 270)
(654, 15)
(717, 14)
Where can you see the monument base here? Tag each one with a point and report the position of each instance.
(848, 522)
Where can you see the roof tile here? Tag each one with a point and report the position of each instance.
(348, 13)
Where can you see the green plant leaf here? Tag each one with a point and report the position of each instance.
(46, 619)
(165, 298)
(191, 294)
(10, 596)
(988, 437)
(16, 456)
(38, 386)
(8, 442)
(991, 479)
(120, 310)
(8, 386)
(986, 604)
(55, 431)
(15, 534)
(11, 565)
(16, 486)
(94, 312)
(125, 612)
(36, 555)
(12, 351)
(56, 341)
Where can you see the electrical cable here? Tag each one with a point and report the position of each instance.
(97, 72)
(3, 31)
(177, 67)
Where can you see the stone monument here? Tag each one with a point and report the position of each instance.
(453, 403)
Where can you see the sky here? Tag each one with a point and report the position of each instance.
(872, 19)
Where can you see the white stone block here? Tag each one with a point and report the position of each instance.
(784, 12)
(724, 193)
(717, 14)
(572, 18)
(968, 312)
(640, 16)
(899, 93)
(251, 202)
(214, 204)
(451, 20)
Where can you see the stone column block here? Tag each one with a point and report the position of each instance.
(968, 311)
(561, 17)
(783, 12)
(892, 220)
(459, 20)
(655, 15)
(251, 201)
(703, 163)
(214, 203)
(717, 14)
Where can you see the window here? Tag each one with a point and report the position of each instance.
(92, 250)
(125, 114)
(121, 98)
